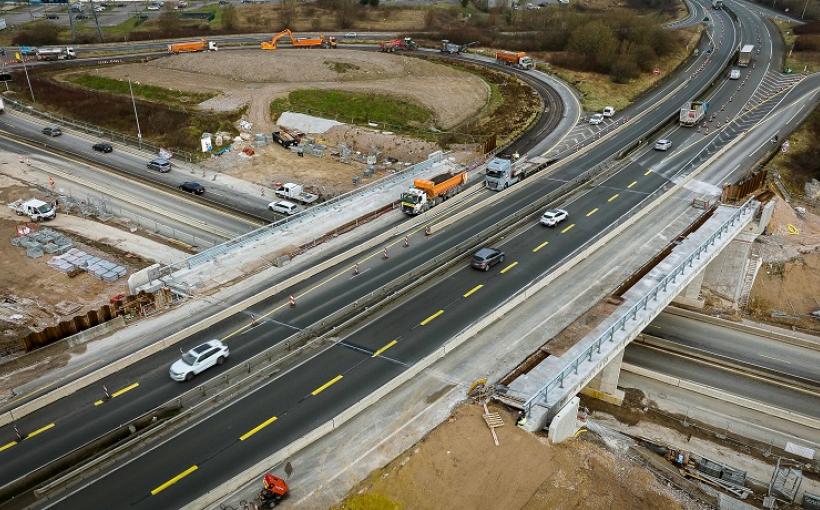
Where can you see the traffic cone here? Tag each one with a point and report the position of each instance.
(385, 255)
(428, 231)
(406, 241)
(292, 301)
(355, 269)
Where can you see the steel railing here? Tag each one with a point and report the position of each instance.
(608, 335)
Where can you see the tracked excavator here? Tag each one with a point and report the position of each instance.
(299, 42)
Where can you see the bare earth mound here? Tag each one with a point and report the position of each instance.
(256, 77)
(457, 467)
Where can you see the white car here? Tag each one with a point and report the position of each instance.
(663, 144)
(199, 359)
(351, 35)
(154, 7)
(553, 217)
(734, 74)
(284, 207)
(596, 119)
(608, 111)
(99, 8)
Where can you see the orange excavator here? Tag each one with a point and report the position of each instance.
(299, 42)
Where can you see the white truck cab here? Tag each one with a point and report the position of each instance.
(35, 209)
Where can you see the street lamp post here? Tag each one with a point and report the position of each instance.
(25, 70)
(805, 5)
(136, 117)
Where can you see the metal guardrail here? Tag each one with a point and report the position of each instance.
(85, 127)
(268, 230)
(608, 335)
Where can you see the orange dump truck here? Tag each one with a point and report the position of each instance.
(192, 47)
(518, 59)
(425, 193)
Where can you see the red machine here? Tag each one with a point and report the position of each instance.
(274, 490)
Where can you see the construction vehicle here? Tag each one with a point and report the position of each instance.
(425, 194)
(65, 53)
(502, 172)
(455, 49)
(274, 490)
(406, 44)
(693, 112)
(36, 210)
(192, 47)
(744, 57)
(299, 42)
(519, 59)
(296, 192)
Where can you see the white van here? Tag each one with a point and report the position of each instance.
(734, 74)
(284, 207)
(608, 111)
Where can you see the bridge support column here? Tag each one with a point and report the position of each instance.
(604, 386)
(691, 293)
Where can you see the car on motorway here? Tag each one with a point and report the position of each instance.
(52, 131)
(103, 147)
(351, 35)
(99, 8)
(552, 217)
(608, 111)
(485, 258)
(192, 187)
(199, 359)
(596, 118)
(154, 7)
(734, 74)
(160, 165)
(283, 207)
(663, 144)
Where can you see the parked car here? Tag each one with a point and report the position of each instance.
(596, 118)
(608, 111)
(485, 258)
(663, 144)
(192, 187)
(734, 74)
(283, 207)
(52, 131)
(199, 359)
(160, 165)
(103, 147)
(553, 217)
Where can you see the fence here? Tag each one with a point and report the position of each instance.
(608, 335)
(92, 129)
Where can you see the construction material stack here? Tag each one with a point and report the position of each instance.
(425, 194)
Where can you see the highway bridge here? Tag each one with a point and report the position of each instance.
(345, 370)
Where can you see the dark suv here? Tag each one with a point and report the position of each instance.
(103, 147)
(192, 187)
(485, 258)
(52, 131)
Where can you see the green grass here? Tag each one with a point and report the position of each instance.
(147, 92)
(124, 28)
(796, 61)
(368, 501)
(355, 108)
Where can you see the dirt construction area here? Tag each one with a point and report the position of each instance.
(457, 466)
(254, 78)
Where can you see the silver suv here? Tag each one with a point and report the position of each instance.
(485, 258)
(160, 165)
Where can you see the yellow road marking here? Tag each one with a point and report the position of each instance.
(40, 430)
(125, 390)
(567, 229)
(173, 480)
(632, 184)
(534, 250)
(386, 346)
(473, 290)
(509, 267)
(257, 428)
(590, 213)
(7, 446)
(647, 172)
(99, 403)
(326, 385)
(429, 319)
(613, 197)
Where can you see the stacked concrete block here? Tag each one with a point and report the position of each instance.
(98, 267)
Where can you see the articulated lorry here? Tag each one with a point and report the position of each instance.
(693, 112)
(519, 59)
(502, 172)
(36, 210)
(46, 54)
(425, 194)
(296, 192)
(192, 47)
(744, 57)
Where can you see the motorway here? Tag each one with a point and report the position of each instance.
(310, 394)
(344, 373)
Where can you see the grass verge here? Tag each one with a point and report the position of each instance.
(598, 90)
(802, 161)
(356, 108)
(147, 92)
(796, 61)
